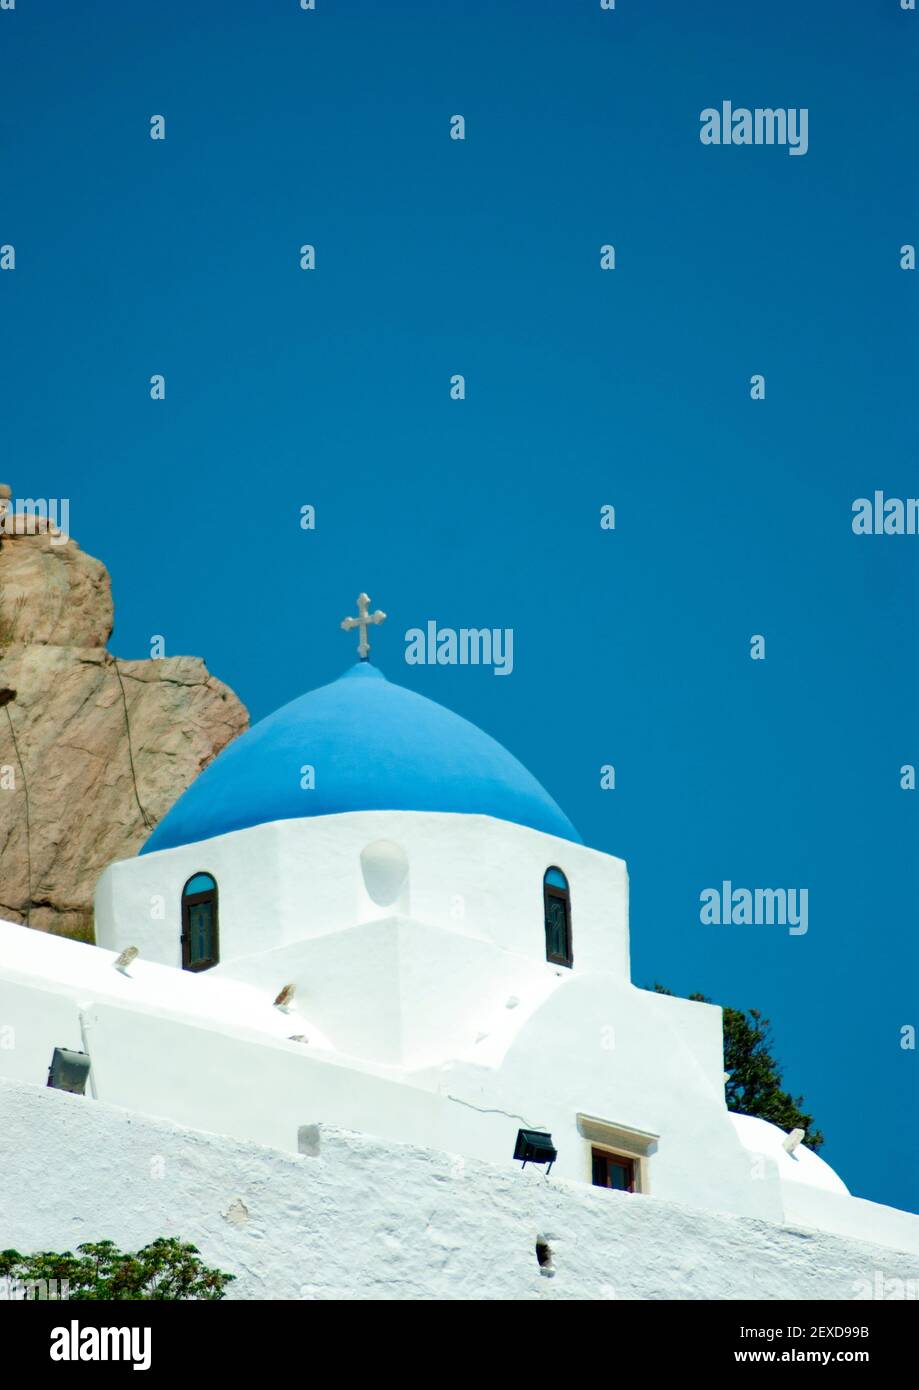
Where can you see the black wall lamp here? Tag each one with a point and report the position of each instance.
(535, 1146)
(69, 1071)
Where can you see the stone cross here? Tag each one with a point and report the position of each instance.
(363, 620)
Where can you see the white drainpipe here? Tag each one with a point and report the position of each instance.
(86, 1027)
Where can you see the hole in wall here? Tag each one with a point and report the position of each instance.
(544, 1256)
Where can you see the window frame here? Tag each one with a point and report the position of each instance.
(190, 900)
(562, 895)
(629, 1161)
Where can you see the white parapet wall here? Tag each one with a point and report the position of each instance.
(354, 1217)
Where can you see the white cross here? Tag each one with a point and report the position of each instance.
(363, 620)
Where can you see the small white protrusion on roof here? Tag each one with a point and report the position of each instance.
(129, 954)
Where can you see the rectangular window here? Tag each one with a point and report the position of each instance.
(557, 905)
(614, 1170)
(199, 930)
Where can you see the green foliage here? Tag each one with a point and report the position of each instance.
(754, 1084)
(164, 1269)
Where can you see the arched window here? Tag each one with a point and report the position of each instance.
(200, 948)
(557, 904)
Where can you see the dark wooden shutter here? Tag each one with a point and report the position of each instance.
(558, 924)
(200, 940)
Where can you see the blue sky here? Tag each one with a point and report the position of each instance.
(434, 256)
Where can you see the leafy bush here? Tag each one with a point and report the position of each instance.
(165, 1269)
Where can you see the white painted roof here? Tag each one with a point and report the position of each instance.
(80, 970)
(802, 1166)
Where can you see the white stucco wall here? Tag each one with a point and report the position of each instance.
(368, 1219)
(209, 1051)
(294, 880)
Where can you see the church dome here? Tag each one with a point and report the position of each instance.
(374, 747)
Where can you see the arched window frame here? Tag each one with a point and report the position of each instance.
(190, 900)
(555, 893)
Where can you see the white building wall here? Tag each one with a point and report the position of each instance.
(210, 1051)
(294, 880)
(368, 1219)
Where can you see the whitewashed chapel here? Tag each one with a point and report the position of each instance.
(366, 916)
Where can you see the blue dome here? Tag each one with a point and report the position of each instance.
(375, 747)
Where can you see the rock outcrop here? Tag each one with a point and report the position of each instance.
(93, 750)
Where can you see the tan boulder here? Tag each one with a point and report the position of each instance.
(93, 751)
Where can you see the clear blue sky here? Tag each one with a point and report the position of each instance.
(583, 388)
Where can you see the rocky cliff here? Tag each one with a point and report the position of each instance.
(93, 750)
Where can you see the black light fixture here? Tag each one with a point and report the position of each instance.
(69, 1071)
(535, 1146)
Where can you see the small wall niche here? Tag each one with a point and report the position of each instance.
(384, 866)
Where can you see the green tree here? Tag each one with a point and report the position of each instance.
(165, 1269)
(754, 1084)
